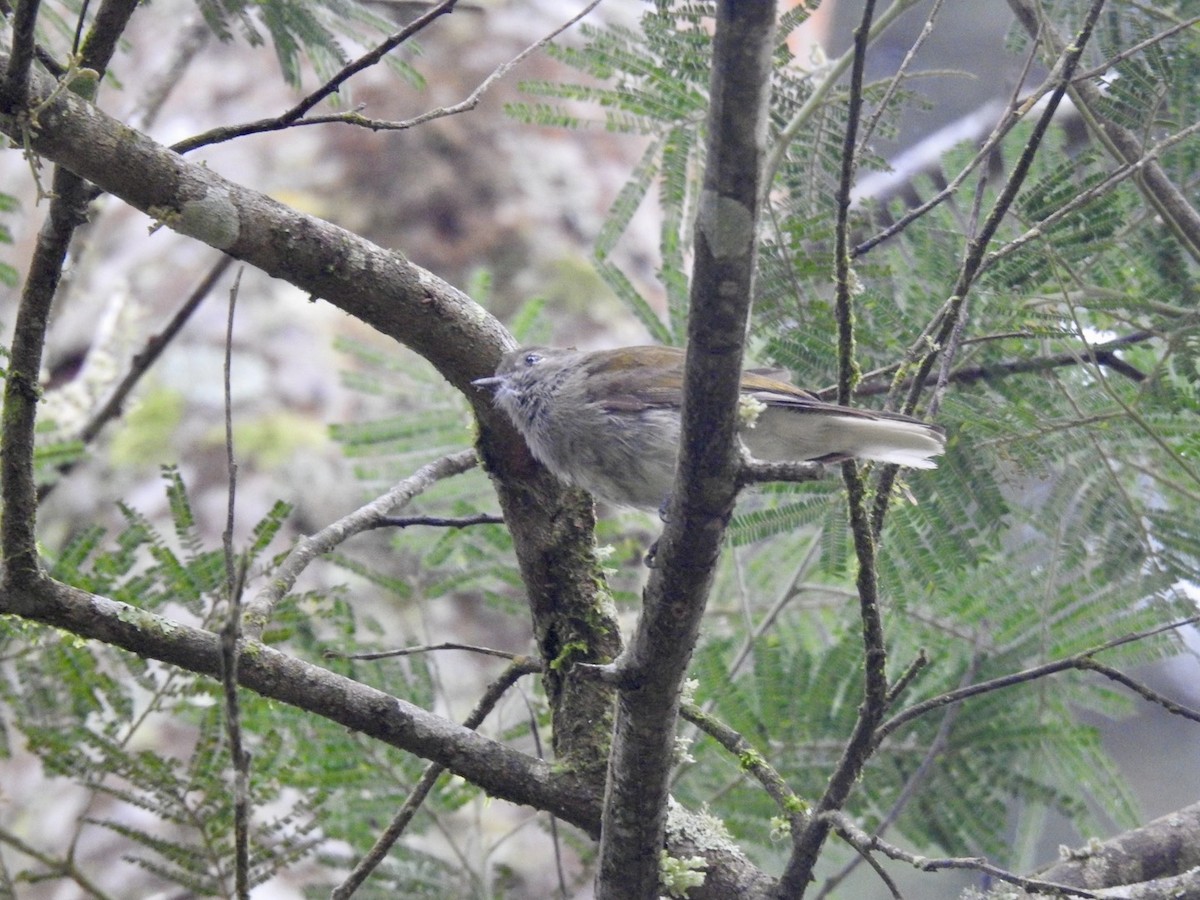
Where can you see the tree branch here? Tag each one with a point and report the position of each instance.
(866, 843)
(750, 760)
(1102, 354)
(398, 299)
(1168, 200)
(498, 769)
(14, 87)
(807, 843)
(1168, 846)
(1081, 660)
(231, 633)
(722, 284)
(259, 610)
(330, 87)
(18, 491)
(491, 696)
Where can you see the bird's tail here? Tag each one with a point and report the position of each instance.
(824, 433)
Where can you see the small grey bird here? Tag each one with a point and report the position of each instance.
(609, 421)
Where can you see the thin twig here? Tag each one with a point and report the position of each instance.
(785, 597)
(79, 21)
(1125, 171)
(470, 102)
(750, 760)
(68, 210)
(289, 118)
(914, 781)
(907, 677)
(1106, 66)
(865, 843)
(491, 696)
(1145, 692)
(141, 363)
(1103, 354)
(14, 89)
(230, 634)
(64, 867)
(808, 840)
(900, 74)
(258, 611)
(437, 521)
(1079, 660)
(425, 648)
(1011, 116)
(354, 117)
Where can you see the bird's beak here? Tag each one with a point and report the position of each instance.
(488, 384)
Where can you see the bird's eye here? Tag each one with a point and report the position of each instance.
(532, 359)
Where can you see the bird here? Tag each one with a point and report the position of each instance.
(608, 421)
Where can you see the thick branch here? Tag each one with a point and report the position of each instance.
(705, 488)
(1165, 847)
(18, 537)
(499, 770)
(15, 85)
(398, 299)
(379, 286)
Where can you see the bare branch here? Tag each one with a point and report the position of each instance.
(231, 635)
(900, 74)
(704, 491)
(807, 843)
(398, 299)
(471, 101)
(1102, 354)
(1139, 688)
(750, 760)
(1137, 48)
(427, 648)
(1080, 660)
(866, 843)
(289, 118)
(491, 696)
(437, 521)
(1168, 846)
(295, 116)
(259, 610)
